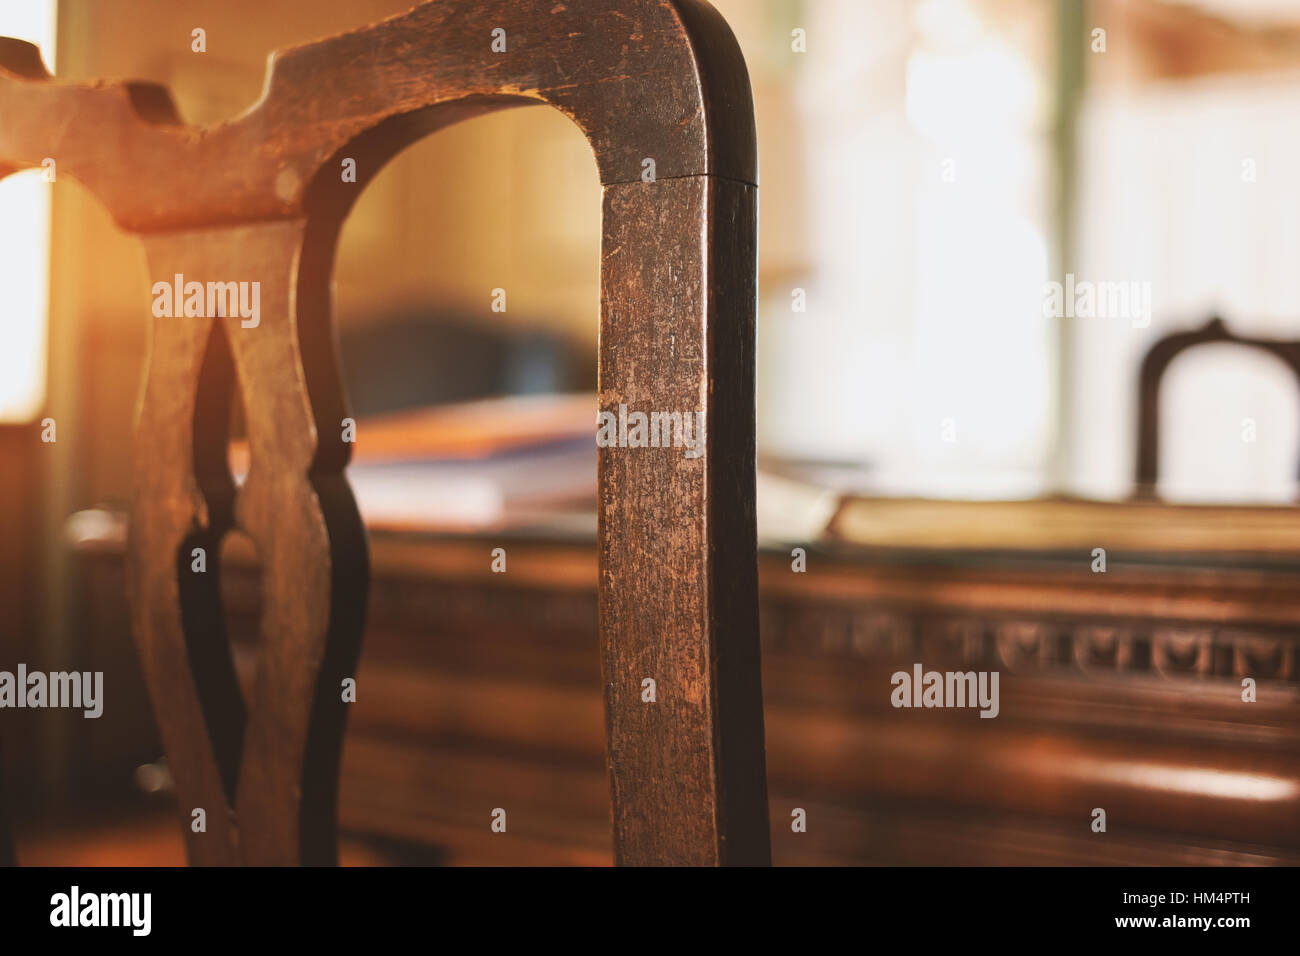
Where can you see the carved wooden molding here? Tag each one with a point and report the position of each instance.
(260, 199)
(1178, 651)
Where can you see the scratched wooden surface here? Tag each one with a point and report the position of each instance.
(641, 78)
(680, 531)
(260, 198)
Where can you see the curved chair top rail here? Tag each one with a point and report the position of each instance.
(661, 79)
(1157, 361)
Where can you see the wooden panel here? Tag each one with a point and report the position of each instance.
(481, 690)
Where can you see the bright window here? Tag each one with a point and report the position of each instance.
(25, 247)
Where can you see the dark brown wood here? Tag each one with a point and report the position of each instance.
(1123, 687)
(260, 199)
(6, 834)
(1154, 365)
(675, 325)
(662, 79)
(20, 740)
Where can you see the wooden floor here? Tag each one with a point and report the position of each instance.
(155, 840)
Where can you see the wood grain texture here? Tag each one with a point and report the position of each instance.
(264, 772)
(641, 78)
(676, 324)
(260, 199)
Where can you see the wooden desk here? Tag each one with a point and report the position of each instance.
(1121, 691)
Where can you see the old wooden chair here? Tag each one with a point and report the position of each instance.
(261, 199)
(1156, 362)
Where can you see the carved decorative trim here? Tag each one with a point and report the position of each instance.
(1097, 648)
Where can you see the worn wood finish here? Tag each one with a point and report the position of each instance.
(260, 198)
(682, 528)
(273, 761)
(642, 78)
(1154, 365)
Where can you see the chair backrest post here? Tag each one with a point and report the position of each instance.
(1156, 362)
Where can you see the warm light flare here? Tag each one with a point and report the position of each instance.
(25, 248)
